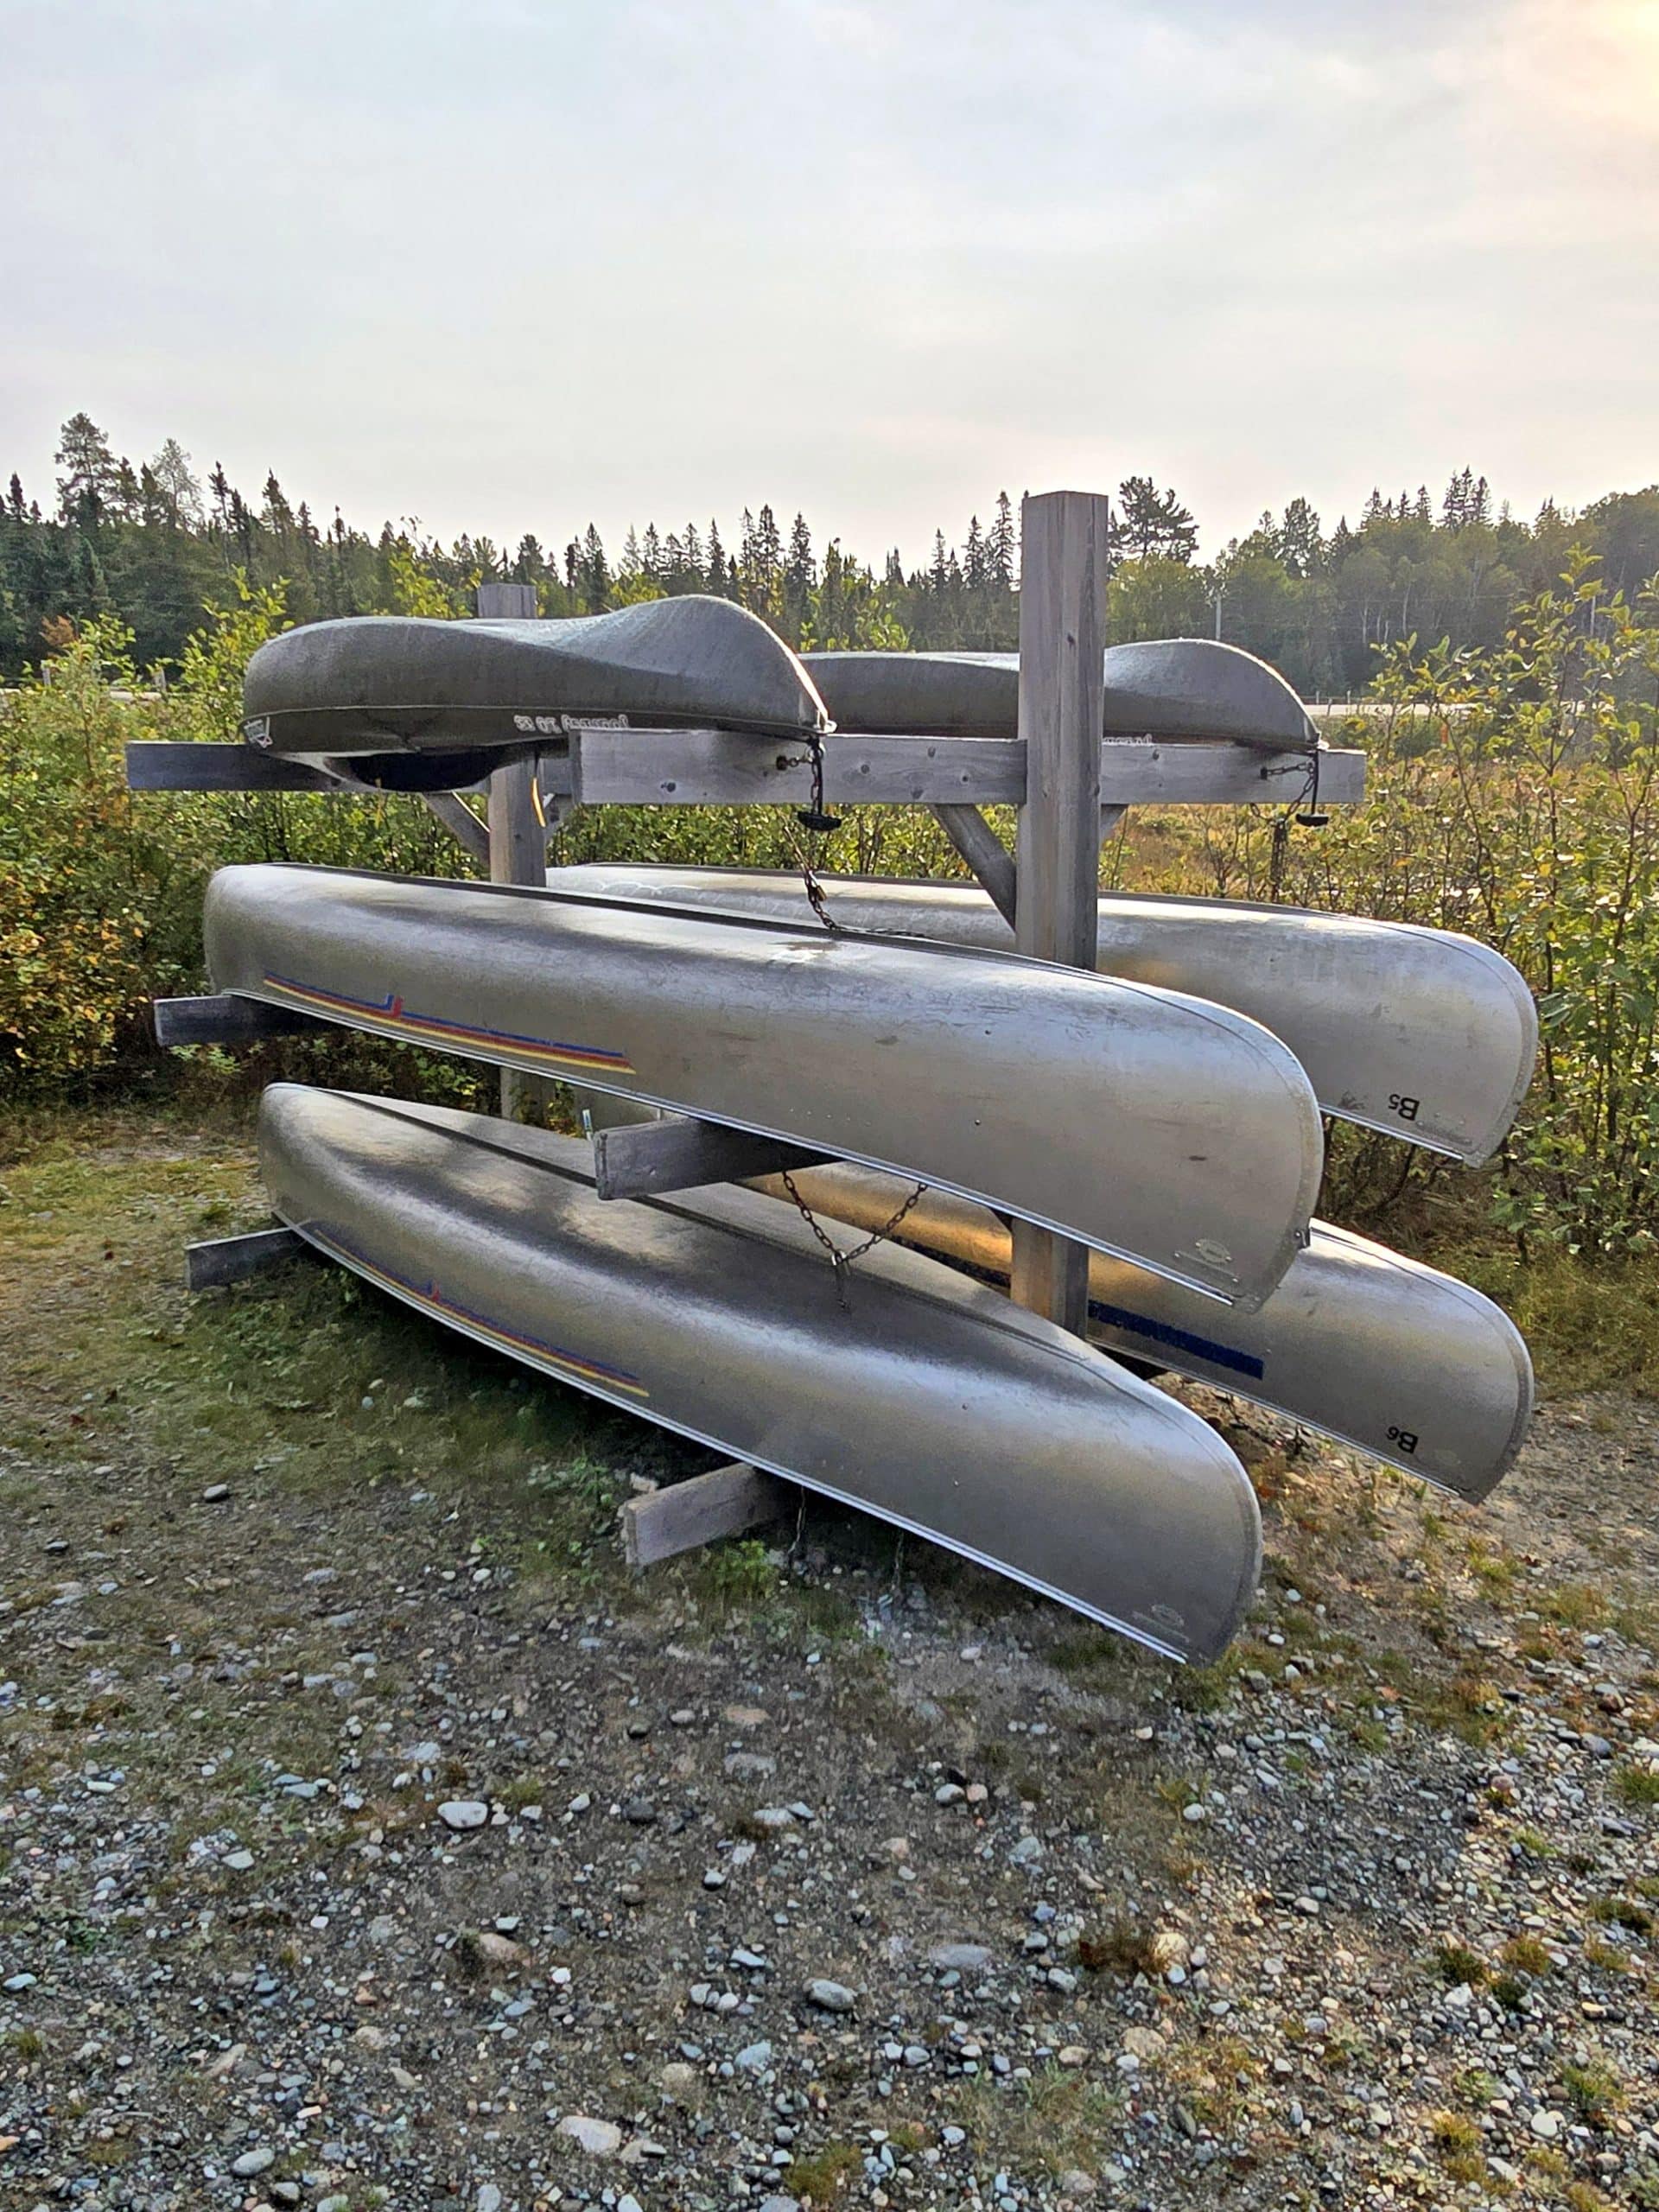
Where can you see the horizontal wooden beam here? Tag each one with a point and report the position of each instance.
(224, 1021)
(641, 1159)
(1209, 771)
(186, 767)
(233, 1259)
(681, 1516)
(709, 767)
(713, 767)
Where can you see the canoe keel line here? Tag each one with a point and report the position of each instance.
(932, 1402)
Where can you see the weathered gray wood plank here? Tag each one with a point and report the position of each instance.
(711, 767)
(225, 1020)
(233, 1259)
(984, 852)
(517, 854)
(679, 1152)
(1064, 537)
(707, 767)
(461, 823)
(681, 1516)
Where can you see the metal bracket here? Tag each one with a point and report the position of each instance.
(641, 1159)
(224, 1021)
(233, 1259)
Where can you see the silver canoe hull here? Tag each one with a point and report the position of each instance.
(1373, 1349)
(1162, 687)
(1144, 1123)
(932, 1403)
(1423, 1033)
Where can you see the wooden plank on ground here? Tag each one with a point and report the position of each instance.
(233, 1259)
(640, 1160)
(681, 1516)
(223, 1019)
(157, 767)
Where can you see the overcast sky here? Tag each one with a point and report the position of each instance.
(517, 264)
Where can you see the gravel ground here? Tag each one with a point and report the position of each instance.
(351, 1854)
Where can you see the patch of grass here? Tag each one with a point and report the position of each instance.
(1120, 1947)
(1623, 1912)
(1454, 1962)
(1636, 1785)
(1527, 1954)
(1576, 1605)
(1535, 1843)
(1459, 2142)
(1596, 2089)
(1510, 1991)
(822, 2175)
(1587, 1328)
(25, 2044)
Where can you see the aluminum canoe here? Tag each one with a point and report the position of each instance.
(440, 702)
(1423, 1034)
(931, 1401)
(1132, 1119)
(1164, 687)
(1370, 1347)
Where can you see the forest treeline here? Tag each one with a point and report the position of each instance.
(152, 544)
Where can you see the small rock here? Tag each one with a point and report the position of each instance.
(1545, 2124)
(639, 1812)
(679, 2081)
(216, 1493)
(239, 1862)
(464, 1813)
(831, 1996)
(961, 1958)
(1076, 2184)
(252, 2162)
(489, 2198)
(600, 2139)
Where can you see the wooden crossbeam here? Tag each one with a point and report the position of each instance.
(461, 823)
(708, 767)
(681, 1516)
(984, 852)
(233, 1259)
(641, 1159)
(225, 1020)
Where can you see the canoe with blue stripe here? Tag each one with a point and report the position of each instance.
(1363, 1343)
(925, 1398)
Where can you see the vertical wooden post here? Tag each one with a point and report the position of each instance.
(518, 846)
(1064, 541)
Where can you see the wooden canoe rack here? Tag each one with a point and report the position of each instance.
(1070, 786)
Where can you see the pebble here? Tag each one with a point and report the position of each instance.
(463, 1813)
(489, 2198)
(600, 2139)
(961, 1958)
(216, 1493)
(831, 1996)
(252, 2162)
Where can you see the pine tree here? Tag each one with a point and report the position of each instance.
(89, 483)
(1002, 551)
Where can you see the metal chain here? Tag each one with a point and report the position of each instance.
(842, 1262)
(813, 819)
